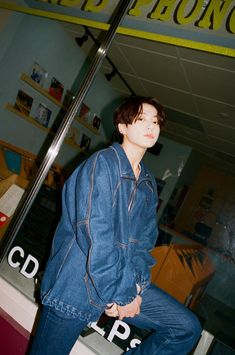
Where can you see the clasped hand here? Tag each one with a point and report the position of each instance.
(130, 310)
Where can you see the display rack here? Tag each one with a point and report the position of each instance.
(24, 77)
(30, 119)
(10, 107)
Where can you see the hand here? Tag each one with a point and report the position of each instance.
(112, 310)
(131, 309)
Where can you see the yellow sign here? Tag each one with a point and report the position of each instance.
(207, 25)
(207, 14)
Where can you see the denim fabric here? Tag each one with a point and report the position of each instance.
(56, 333)
(102, 244)
(175, 329)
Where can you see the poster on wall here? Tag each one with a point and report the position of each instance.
(38, 74)
(84, 113)
(43, 115)
(72, 135)
(23, 102)
(85, 142)
(96, 122)
(56, 89)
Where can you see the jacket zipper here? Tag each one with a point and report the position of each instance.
(132, 196)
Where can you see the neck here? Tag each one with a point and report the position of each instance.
(134, 155)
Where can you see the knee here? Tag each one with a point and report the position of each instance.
(193, 327)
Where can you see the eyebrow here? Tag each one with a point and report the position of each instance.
(143, 113)
(155, 116)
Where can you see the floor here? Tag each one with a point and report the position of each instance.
(14, 339)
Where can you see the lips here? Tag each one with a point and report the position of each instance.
(151, 136)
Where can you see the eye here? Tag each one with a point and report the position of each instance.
(140, 118)
(156, 121)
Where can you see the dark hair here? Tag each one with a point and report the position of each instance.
(132, 108)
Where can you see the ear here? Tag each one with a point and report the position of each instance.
(122, 128)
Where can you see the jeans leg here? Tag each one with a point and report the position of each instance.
(175, 329)
(56, 333)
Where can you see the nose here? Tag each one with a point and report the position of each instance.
(150, 126)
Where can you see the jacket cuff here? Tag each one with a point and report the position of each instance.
(124, 303)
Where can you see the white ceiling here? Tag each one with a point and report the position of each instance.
(196, 88)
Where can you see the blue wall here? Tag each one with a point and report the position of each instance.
(27, 39)
(44, 41)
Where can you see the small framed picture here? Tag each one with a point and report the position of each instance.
(84, 113)
(85, 142)
(38, 74)
(96, 122)
(23, 102)
(56, 89)
(72, 135)
(43, 115)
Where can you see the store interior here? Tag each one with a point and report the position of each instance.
(43, 64)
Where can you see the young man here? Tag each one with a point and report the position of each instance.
(100, 258)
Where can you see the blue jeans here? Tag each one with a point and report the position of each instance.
(56, 333)
(175, 328)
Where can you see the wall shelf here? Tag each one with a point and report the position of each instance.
(87, 125)
(73, 145)
(38, 88)
(31, 120)
(24, 77)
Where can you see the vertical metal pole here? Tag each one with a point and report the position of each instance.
(54, 148)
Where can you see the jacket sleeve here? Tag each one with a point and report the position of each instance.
(142, 259)
(107, 267)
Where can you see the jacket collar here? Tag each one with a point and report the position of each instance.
(125, 167)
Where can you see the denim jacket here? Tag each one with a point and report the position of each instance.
(101, 248)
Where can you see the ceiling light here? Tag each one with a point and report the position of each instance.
(81, 40)
(109, 76)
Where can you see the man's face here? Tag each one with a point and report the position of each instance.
(144, 131)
